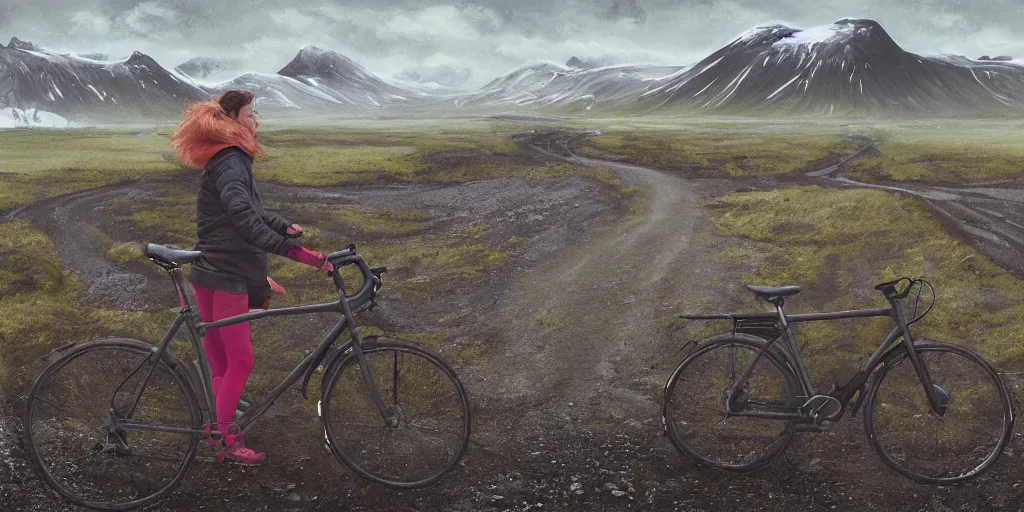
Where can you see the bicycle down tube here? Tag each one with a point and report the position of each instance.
(845, 392)
(197, 329)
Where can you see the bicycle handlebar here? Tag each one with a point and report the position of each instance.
(888, 288)
(371, 276)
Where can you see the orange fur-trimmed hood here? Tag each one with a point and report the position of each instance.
(207, 129)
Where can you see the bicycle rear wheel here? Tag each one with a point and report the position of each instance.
(69, 434)
(425, 395)
(694, 409)
(910, 438)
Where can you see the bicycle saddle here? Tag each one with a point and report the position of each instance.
(169, 255)
(770, 292)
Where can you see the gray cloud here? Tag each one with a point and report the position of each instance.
(490, 37)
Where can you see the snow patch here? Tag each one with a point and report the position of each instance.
(709, 66)
(777, 91)
(816, 35)
(98, 95)
(32, 118)
(705, 88)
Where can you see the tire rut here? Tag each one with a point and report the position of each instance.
(69, 220)
(991, 219)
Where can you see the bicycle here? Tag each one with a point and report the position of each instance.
(147, 421)
(738, 398)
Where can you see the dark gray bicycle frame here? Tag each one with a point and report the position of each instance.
(843, 393)
(347, 306)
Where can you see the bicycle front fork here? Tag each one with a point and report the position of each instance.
(938, 399)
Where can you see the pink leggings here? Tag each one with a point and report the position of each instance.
(228, 350)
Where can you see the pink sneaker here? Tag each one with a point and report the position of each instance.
(238, 452)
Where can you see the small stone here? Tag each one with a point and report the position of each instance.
(618, 493)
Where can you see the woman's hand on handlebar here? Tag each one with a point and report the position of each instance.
(311, 258)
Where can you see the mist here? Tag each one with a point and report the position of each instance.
(469, 43)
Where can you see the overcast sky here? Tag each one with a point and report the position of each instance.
(490, 37)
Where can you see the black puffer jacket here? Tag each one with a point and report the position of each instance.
(234, 231)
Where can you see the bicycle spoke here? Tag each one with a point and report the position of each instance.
(395, 379)
(123, 467)
(695, 415)
(93, 454)
(434, 424)
(65, 411)
(436, 399)
(915, 441)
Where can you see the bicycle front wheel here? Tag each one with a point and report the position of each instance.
(422, 394)
(70, 422)
(694, 410)
(957, 446)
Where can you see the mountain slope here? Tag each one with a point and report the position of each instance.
(71, 85)
(548, 85)
(851, 66)
(344, 80)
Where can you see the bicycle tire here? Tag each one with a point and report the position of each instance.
(361, 455)
(673, 419)
(925, 426)
(67, 477)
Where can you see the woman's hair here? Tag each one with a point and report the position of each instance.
(208, 128)
(233, 100)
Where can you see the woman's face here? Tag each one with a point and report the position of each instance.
(249, 116)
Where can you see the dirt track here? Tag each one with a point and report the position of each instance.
(567, 405)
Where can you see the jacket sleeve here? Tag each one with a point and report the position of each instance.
(277, 223)
(233, 188)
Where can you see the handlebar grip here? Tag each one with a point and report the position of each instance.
(888, 288)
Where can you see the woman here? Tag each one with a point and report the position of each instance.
(234, 233)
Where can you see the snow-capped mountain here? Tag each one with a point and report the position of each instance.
(344, 80)
(71, 85)
(443, 77)
(549, 85)
(850, 66)
(279, 92)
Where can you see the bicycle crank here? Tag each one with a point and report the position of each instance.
(824, 411)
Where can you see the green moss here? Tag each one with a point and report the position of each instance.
(386, 222)
(430, 266)
(43, 310)
(40, 164)
(718, 153)
(124, 252)
(963, 157)
(819, 239)
(547, 320)
(172, 221)
(736, 254)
